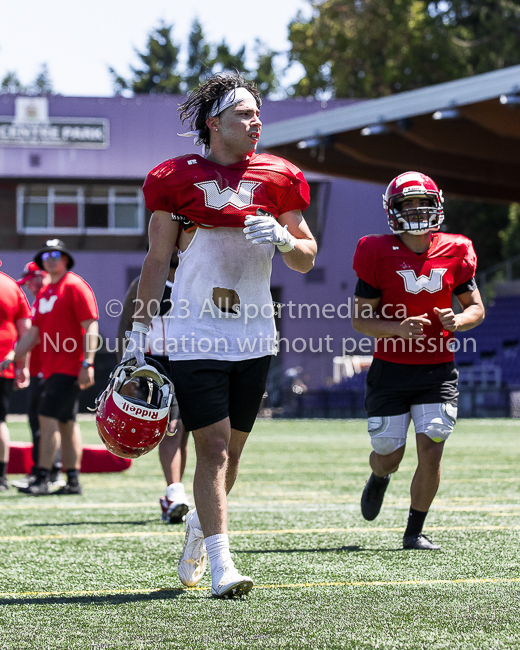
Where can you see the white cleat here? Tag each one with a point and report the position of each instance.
(194, 557)
(227, 583)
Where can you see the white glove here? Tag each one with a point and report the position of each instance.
(266, 230)
(136, 344)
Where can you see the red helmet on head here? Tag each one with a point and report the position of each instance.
(415, 221)
(132, 412)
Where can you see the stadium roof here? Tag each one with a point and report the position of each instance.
(464, 133)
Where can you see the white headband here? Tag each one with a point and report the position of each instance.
(232, 97)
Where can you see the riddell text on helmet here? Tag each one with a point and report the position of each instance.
(140, 411)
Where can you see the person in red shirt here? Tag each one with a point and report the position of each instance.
(14, 323)
(406, 285)
(65, 325)
(34, 279)
(236, 208)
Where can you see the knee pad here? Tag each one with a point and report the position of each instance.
(385, 446)
(388, 433)
(434, 420)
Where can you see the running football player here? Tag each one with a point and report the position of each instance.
(227, 211)
(406, 285)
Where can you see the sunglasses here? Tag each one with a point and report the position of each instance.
(55, 255)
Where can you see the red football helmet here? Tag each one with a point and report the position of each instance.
(415, 221)
(132, 412)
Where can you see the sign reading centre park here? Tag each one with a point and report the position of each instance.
(32, 127)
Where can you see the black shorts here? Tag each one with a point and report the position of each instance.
(60, 397)
(165, 363)
(6, 388)
(391, 388)
(210, 391)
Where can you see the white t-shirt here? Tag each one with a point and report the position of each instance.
(196, 328)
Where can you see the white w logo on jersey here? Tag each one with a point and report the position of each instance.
(217, 199)
(46, 305)
(414, 284)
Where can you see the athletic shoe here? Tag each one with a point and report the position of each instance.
(194, 558)
(4, 485)
(39, 487)
(69, 489)
(226, 582)
(173, 512)
(373, 495)
(24, 482)
(419, 542)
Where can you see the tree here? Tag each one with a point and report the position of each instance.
(265, 76)
(159, 71)
(510, 235)
(199, 58)
(225, 60)
(483, 223)
(160, 74)
(486, 33)
(372, 48)
(11, 84)
(369, 48)
(42, 85)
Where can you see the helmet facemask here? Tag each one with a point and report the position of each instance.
(417, 220)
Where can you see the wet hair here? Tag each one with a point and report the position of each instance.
(197, 107)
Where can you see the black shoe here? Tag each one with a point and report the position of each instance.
(37, 488)
(4, 485)
(373, 495)
(69, 489)
(419, 542)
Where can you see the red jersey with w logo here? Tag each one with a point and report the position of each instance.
(411, 284)
(214, 195)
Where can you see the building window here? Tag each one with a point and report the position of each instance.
(69, 209)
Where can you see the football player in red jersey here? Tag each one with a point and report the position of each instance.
(406, 284)
(15, 315)
(227, 211)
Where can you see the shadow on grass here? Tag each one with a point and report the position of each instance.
(348, 549)
(108, 599)
(97, 523)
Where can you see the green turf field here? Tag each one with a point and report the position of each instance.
(99, 570)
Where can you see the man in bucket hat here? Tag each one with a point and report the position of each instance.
(64, 322)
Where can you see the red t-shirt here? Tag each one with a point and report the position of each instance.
(13, 307)
(59, 311)
(412, 285)
(214, 195)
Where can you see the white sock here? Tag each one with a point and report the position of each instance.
(218, 550)
(175, 492)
